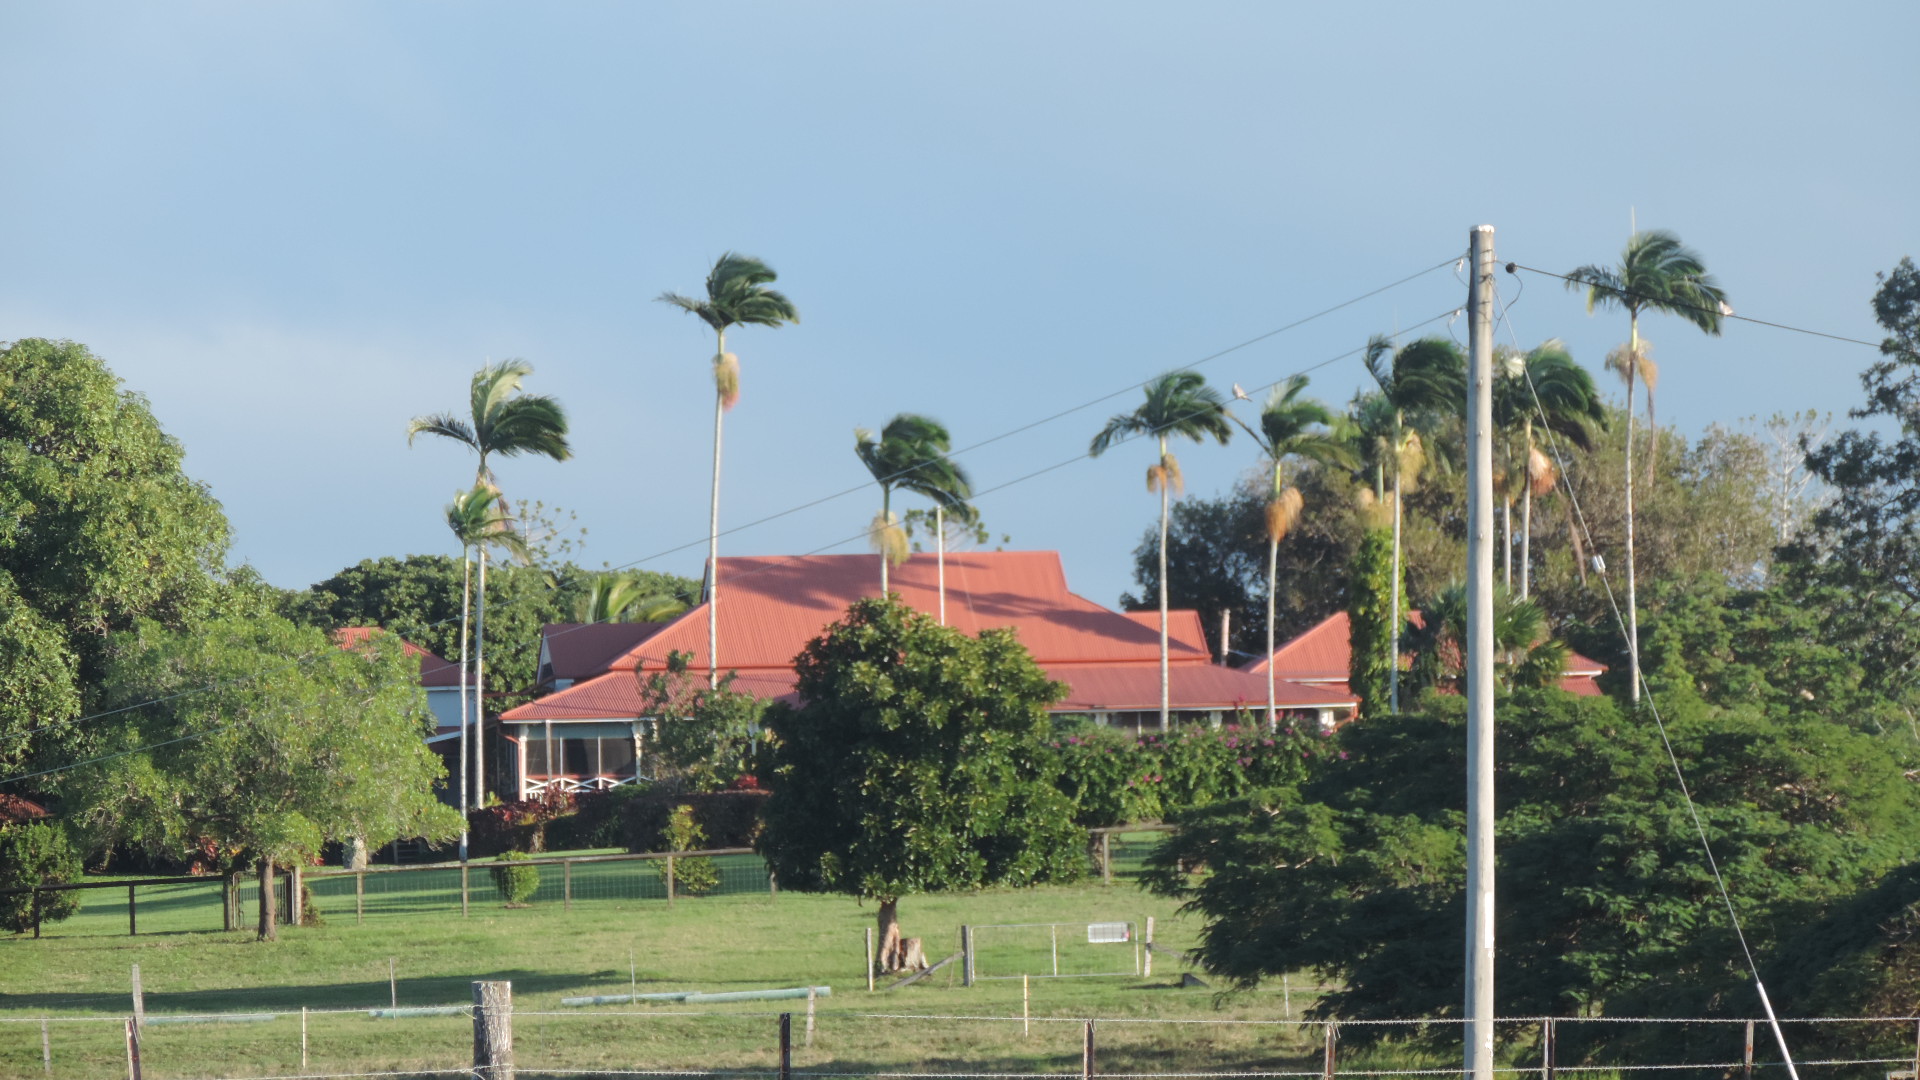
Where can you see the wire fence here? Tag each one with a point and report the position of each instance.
(188, 904)
(828, 1042)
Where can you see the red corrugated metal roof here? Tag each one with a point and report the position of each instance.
(1322, 654)
(771, 606)
(1183, 629)
(578, 650)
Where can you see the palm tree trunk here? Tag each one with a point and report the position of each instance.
(1165, 684)
(1526, 537)
(1273, 576)
(713, 537)
(886, 512)
(1393, 614)
(1633, 602)
(1506, 536)
(940, 549)
(466, 601)
(480, 687)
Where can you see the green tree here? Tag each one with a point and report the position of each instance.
(502, 421)
(1371, 613)
(1607, 904)
(911, 455)
(261, 741)
(99, 528)
(737, 295)
(35, 853)
(702, 738)
(1178, 403)
(916, 761)
(1290, 427)
(1526, 655)
(1656, 273)
(1425, 383)
(477, 521)
(633, 597)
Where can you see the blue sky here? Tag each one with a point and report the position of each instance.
(294, 226)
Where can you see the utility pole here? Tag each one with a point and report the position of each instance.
(1480, 900)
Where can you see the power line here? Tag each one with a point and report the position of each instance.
(1722, 312)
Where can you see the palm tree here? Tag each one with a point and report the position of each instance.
(1290, 427)
(911, 455)
(1178, 403)
(504, 422)
(1656, 273)
(1423, 382)
(1542, 383)
(1526, 655)
(737, 295)
(477, 521)
(620, 597)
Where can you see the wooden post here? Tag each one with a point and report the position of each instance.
(786, 1046)
(1286, 995)
(669, 879)
(566, 884)
(303, 1038)
(46, 1049)
(463, 890)
(633, 976)
(1055, 931)
(809, 1041)
(1746, 1058)
(133, 1051)
(360, 898)
(1106, 858)
(1326, 1068)
(133, 922)
(773, 888)
(1086, 1053)
(230, 901)
(1026, 1007)
(1916, 1049)
(493, 1030)
(870, 965)
(1147, 970)
(139, 1000)
(393, 985)
(966, 959)
(296, 911)
(1546, 1049)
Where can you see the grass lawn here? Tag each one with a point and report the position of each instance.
(743, 940)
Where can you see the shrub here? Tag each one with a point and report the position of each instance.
(520, 825)
(515, 883)
(1111, 777)
(1116, 779)
(727, 818)
(696, 875)
(36, 853)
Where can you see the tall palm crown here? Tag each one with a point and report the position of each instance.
(737, 295)
(476, 519)
(910, 455)
(501, 419)
(1290, 426)
(1538, 390)
(1179, 403)
(1426, 384)
(1656, 273)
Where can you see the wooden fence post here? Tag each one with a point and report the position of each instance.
(566, 884)
(463, 890)
(46, 1049)
(809, 1042)
(966, 959)
(360, 898)
(493, 1030)
(670, 882)
(786, 1046)
(1746, 1057)
(1086, 1053)
(773, 887)
(133, 922)
(139, 1001)
(1147, 970)
(393, 985)
(870, 964)
(1546, 1048)
(1326, 1068)
(133, 1051)
(1106, 858)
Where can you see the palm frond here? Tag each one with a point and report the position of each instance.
(445, 425)
(528, 424)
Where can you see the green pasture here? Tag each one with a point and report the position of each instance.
(742, 938)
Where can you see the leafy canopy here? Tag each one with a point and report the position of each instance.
(917, 761)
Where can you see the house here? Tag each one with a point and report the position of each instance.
(441, 681)
(1320, 657)
(773, 605)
